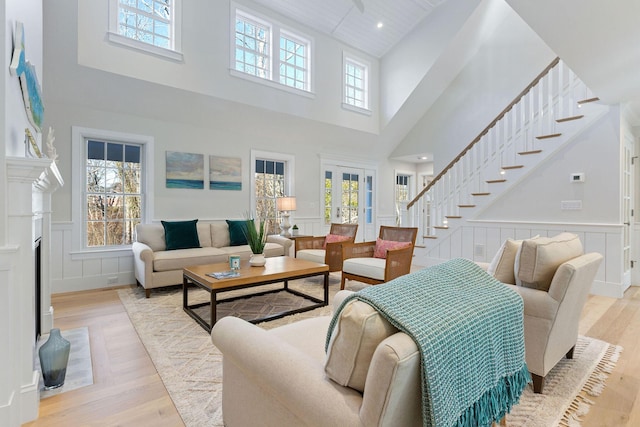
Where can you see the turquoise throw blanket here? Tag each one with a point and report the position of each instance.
(470, 332)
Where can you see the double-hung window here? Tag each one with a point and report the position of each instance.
(272, 178)
(356, 83)
(114, 191)
(261, 46)
(149, 25)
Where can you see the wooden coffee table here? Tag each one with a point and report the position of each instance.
(276, 269)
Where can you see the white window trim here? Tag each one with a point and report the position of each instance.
(347, 57)
(78, 166)
(290, 171)
(174, 54)
(276, 28)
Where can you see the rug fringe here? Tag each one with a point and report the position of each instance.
(594, 386)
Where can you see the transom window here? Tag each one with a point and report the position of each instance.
(293, 62)
(152, 26)
(253, 47)
(148, 21)
(254, 52)
(356, 84)
(113, 193)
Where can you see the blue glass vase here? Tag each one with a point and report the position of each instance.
(54, 356)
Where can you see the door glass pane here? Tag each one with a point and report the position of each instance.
(349, 198)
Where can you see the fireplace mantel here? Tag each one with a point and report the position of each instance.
(30, 184)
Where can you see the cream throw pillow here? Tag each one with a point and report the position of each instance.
(354, 339)
(501, 266)
(539, 259)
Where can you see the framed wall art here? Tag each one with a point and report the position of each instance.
(185, 170)
(225, 173)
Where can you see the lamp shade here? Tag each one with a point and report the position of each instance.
(287, 203)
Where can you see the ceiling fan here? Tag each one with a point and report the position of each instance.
(360, 5)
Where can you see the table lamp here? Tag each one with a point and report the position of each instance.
(285, 205)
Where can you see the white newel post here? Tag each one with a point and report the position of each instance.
(30, 183)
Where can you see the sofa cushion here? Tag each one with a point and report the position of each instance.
(237, 232)
(181, 234)
(382, 246)
(540, 258)
(334, 238)
(151, 235)
(313, 255)
(354, 339)
(181, 258)
(502, 264)
(368, 267)
(220, 234)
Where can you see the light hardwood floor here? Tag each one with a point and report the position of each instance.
(127, 390)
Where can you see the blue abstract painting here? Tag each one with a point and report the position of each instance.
(225, 173)
(185, 170)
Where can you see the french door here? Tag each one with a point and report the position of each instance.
(349, 199)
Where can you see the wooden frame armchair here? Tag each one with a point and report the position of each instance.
(313, 248)
(359, 263)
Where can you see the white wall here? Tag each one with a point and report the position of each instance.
(205, 68)
(495, 75)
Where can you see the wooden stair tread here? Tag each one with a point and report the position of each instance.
(568, 119)
(480, 194)
(584, 101)
(419, 246)
(525, 153)
(551, 135)
(429, 237)
(440, 227)
(453, 216)
(495, 181)
(466, 206)
(512, 167)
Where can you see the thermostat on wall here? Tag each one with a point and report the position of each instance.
(577, 177)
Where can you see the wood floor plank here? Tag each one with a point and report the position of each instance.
(127, 390)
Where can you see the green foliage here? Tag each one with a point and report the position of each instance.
(256, 236)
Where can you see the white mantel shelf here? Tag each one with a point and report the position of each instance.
(42, 172)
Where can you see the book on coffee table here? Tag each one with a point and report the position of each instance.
(224, 274)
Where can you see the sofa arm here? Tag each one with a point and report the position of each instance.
(287, 374)
(143, 264)
(281, 240)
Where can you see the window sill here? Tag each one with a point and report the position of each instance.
(353, 108)
(101, 253)
(273, 84)
(145, 47)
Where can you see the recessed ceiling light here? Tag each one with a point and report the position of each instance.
(423, 157)
(380, 24)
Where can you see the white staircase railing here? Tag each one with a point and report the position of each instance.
(536, 115)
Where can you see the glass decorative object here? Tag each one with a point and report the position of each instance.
(54, 356)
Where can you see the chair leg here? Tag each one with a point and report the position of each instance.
(342, 280)
(569, 354)
(538, 383)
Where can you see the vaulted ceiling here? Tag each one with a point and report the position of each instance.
(355, 22)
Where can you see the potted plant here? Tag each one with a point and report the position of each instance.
(256, 239)
(294, 230)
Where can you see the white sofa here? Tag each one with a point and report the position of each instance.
(156, 267)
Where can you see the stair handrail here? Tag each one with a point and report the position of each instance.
(517, 99)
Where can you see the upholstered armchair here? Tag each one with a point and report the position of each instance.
(326, 249)
(380, 261)
(553, 276)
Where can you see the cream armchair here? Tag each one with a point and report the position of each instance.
(553, 277)
(278, 377)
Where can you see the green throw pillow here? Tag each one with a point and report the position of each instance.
(181, 234)
(237, 230)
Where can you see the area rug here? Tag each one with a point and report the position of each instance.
(191, 367)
